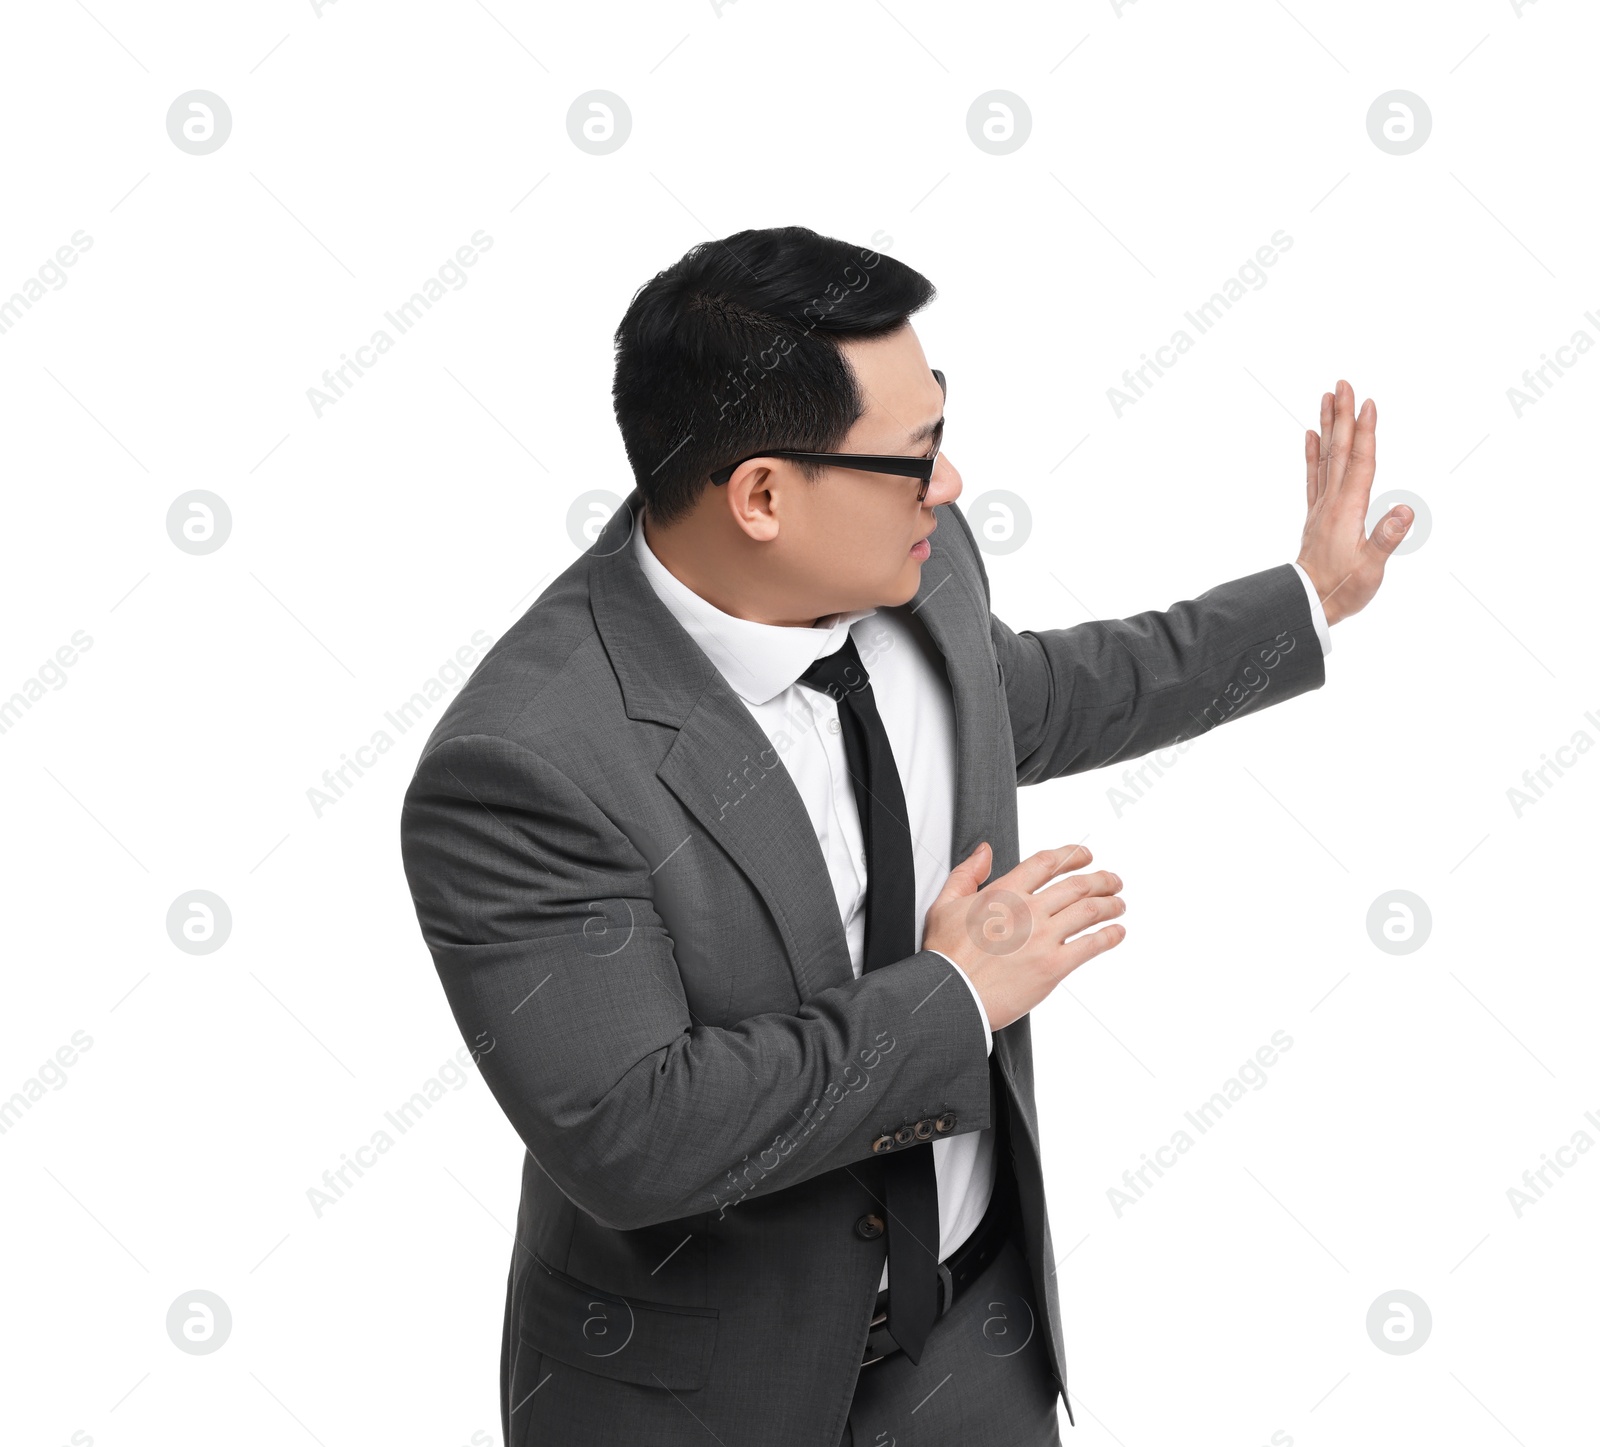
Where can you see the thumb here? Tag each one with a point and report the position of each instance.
(1391, 529)
(969, 874)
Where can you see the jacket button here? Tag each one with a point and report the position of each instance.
(924, 1129)
(945, 1122)
(882, 1144)
(869, 1227)
(905, 1135)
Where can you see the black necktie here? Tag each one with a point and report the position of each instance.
(911, 1196)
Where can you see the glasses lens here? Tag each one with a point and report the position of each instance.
(944, 391)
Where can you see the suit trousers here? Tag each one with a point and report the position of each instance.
(984, 1379)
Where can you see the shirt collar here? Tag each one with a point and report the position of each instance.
(758, 660)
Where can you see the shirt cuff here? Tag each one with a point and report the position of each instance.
(983, 1015)
(1319, 619)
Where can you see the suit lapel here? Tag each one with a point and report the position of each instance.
(723, 768)
(957, 619)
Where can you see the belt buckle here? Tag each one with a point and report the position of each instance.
(876, 1322)
(946, 1297)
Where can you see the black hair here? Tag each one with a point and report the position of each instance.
(735, 347)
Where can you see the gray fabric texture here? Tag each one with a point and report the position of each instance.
(985, 1381)
(625, 901)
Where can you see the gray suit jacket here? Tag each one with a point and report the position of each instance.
(634, 925)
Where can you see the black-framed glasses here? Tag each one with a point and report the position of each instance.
(920, 468)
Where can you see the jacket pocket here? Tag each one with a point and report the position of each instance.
(628, 1339)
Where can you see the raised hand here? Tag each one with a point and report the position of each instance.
(1343, 563)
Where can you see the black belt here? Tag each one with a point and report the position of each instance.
(958, 1270)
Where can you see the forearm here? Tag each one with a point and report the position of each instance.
(1083, 697)
(713, 1116)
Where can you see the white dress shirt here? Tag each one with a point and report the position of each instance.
(1319, 619)
(761, 663)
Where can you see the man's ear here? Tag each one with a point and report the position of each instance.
(755, 499)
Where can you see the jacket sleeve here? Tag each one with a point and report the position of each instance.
(538, 913)
(1102, 692)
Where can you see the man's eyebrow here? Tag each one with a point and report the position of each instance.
(928, 431)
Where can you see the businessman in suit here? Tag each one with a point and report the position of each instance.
(719, 847)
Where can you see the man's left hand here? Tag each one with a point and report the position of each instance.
(1344, 564)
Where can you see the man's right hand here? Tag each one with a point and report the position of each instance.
(1014, 938)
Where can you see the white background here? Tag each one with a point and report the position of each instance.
(431, 501)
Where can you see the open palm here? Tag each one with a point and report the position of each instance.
(1344, 564)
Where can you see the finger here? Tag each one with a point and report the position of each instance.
(1086, 947)
(1392, 529)
(1363, 461)
(1039, 869)
(1313, 467)
(1085, 914)
(1069, 891)
(1325, 448)
(1344, 426)
(970, 873)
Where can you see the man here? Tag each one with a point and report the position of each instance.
(718, 846)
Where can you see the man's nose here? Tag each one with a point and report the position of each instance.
(945, 484)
